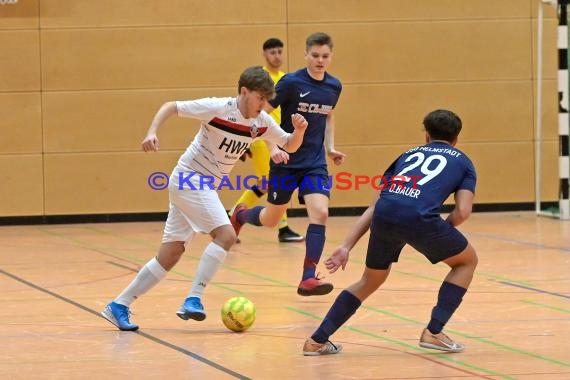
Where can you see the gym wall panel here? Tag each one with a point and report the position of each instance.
(21, 15)
(112, 13)
(22, 187)
(549, 109)
(549, 44)
(91, 183)
(19, 60)
(424, 51)
(505, 171)
(389, 10)
(549, 169)
(20, 122)
(114, 121)
(107, 66)
(549, 10)
(136, 58)
(393, 113)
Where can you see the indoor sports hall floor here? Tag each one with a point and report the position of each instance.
(55, 279)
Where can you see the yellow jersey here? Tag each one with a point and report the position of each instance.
(276, 113)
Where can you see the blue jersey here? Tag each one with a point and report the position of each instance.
(421, 179)
(297, 92)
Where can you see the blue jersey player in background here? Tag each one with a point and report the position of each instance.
(313, 93)
(406, 212)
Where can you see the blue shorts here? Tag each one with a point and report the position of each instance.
(283, 182)
(434, 238)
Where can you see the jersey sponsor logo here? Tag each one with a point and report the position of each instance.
(254, 131)
(314, 108)
(302, 95)
(236, 128)
(233, 146)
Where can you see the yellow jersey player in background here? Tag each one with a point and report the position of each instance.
(259, 153)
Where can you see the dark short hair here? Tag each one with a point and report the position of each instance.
(442, 125)
(254, 78)
(320, 39)
(272, 43)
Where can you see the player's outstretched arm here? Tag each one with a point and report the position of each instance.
(277, 155)
(463, 207)
(296, 138)
(150, 142)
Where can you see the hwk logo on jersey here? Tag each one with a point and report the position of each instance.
(254, 131)
(231, 118)
(233, 146)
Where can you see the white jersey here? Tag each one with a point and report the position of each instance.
(223, 137)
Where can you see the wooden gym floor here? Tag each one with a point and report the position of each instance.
(55, 279)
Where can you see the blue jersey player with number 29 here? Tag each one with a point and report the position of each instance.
(406, 212)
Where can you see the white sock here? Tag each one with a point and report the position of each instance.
(150, 275)
(211, 259)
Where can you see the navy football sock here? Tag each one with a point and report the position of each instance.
(314, 245)
(448, 300)
(342, 309)
(250, 216)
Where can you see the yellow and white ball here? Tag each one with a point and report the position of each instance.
(238, 314)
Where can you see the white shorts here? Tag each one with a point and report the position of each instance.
(192, 211)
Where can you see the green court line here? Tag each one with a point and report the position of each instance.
(440, 279)
(87, 245)
(415, 275)
(271, 280)
(225, 266)
(420, 260)
(503, 278)
(477, 271)
(143, 261)
(443, 357)
(129, 257)
(483, 340)
(546, 306)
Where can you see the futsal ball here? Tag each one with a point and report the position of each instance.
(238, 314)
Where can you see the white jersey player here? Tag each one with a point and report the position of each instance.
(225, 134)
(228, 126)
